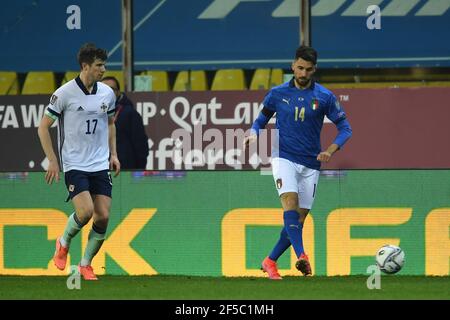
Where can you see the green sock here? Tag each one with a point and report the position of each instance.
(95, 241)
(73, 226)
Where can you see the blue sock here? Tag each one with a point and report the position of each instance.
(281, 246)
(294, 230)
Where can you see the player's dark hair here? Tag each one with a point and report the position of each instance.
(113, 79)
(89, 52)
(307, 54)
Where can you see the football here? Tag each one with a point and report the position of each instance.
(390, 258)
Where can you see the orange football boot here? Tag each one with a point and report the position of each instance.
(60, 256)
(87, 272)
(270, 266)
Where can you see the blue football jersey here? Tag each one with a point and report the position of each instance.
(299, 119)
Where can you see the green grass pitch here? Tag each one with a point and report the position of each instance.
(219, 288)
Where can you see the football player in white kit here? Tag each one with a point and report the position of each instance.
(84, 108)
(300, 106)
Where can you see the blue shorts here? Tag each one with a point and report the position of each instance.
(99, 182)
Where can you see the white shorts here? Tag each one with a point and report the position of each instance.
(293, 177)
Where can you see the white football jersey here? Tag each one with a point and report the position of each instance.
(83, 124)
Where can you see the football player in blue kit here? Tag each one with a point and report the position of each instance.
(300, 106)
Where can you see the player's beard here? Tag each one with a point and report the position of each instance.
(303, 82)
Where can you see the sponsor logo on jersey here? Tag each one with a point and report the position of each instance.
(80, 108)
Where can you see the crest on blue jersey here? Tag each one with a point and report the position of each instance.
(314, 104)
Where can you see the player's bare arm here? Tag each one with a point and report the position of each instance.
(46, 142)
(249, 139)
(325, 156)
(114, 163)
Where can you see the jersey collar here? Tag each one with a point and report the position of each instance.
(292, 84)
(83, 88)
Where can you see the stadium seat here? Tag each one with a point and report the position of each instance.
(198, 80)
(387, 76)
(39, 82)
(333, 78)
(393, 84)
(160, 80)
(437, 84)
(392, 77)
(9, 83)
(229, 79)
(69, 75)
(190, 81)
(260, 79)
(118, 74)
(276, 77)
(181, 81)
